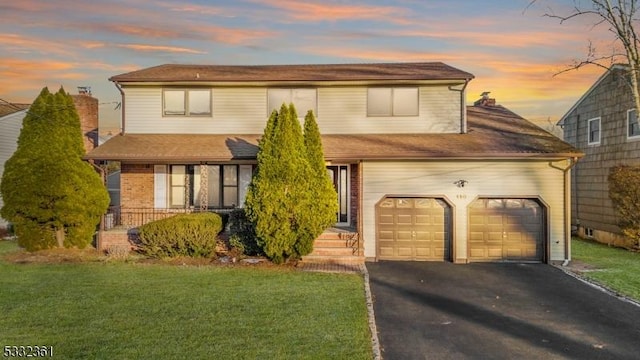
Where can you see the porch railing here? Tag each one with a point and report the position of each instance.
(128, 218)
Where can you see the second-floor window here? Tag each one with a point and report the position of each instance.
(392, 101)
(633, 128)
(186, 102)
(303, 99)
(594, 131)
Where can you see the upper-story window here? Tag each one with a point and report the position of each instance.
(303, 99)
(392, 101)
(594, 131)
(633, 128)
(186, 102)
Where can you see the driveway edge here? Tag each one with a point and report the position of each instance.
(597, 285)
(375, 342)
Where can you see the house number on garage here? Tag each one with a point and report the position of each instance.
(461, 196)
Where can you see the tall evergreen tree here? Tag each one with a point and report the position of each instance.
(321, 210)
(51, 195)
(278, 191)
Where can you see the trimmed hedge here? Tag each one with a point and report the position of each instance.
(191, 235)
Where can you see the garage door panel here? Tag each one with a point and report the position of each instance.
(506, 229)
(413, 229)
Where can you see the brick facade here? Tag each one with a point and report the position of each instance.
(87, 108)
(355, 199)
(136, 186)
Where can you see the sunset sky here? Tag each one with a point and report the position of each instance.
(512, 49)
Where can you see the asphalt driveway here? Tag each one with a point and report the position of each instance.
(430, 310)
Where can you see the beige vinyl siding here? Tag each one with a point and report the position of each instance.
(343, 110)
(10, 126)
(234, 111)
(485, 178)
(243, 110)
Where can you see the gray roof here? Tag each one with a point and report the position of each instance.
(280, 73)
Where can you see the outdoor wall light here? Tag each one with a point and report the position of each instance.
(460, 183)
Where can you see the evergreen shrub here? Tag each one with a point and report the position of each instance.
(243, 233)
(624, 192)
(191, 235)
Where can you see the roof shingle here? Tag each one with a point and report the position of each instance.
(494, 132)
(279, 73)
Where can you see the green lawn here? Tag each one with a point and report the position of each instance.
(118, 310)
(615, 268)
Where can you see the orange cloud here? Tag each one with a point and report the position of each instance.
(332, 11)
(159, 48)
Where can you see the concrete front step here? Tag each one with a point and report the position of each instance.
(334, 243)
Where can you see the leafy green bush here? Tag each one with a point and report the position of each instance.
(181, 235)
(624, 191)
(243, 234)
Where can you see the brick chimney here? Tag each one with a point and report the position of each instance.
(87, 107)
(485, 100)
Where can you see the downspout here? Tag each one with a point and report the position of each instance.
(122, 118)
(567, 208)
(463, 108)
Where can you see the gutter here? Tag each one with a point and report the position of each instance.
(122, 118)
(463, 107)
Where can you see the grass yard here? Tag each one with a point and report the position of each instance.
(617, 269)
(119, 310)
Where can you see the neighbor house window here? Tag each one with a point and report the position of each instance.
(396, 101)
(633, 128)
(226, 185)
(188, 102)
(594, 131)
(303, 100)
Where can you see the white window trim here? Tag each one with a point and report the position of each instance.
(597, 142)
(186, 102)
(629, 136)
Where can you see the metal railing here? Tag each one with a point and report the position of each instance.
(129, 218)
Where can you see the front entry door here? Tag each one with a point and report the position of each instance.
(339, 176)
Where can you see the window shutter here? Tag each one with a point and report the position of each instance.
(160, 186)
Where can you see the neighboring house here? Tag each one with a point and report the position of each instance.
(11, 116)
(604, 125)
(419, 175)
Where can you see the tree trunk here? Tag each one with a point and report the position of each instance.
(60, 237)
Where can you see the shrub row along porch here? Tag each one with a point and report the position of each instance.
(119, 229)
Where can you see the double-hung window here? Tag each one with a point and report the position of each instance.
(392, 101)
(594, 131)
(303, 99)
(186, 102)
(633, 128)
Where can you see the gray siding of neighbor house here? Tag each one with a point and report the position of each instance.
(610, 100)
(10, 126)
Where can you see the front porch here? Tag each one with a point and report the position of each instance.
(340, 245)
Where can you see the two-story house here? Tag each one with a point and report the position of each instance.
(419, 176)
(604, 125)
